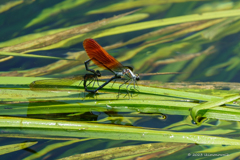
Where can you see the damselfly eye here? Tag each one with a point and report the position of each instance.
(137, 78)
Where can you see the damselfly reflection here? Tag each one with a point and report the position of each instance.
(74, 81)
(57, 83)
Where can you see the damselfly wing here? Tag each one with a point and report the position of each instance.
(100, 56)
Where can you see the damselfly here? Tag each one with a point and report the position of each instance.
(101, 58)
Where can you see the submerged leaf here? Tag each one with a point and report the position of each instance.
(15, 147)
(5, 7)
(122, 5)
(169, 21)
(32, 56)
(57, 37)
(208, 51)
(56, 9)
(51, 147)
(124, 152)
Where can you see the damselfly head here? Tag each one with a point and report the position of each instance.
(98, 73)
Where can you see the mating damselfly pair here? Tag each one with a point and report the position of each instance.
(102, 59)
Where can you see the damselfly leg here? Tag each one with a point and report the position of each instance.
(134, 84)
(90, 78)
(120, 88)
(89, 81)
(113, 83)
(127, 88)
(96, 73)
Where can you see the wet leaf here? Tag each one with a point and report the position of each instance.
(107, 131)
(194, 111)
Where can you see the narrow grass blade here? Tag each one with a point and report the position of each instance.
(36, 137)
(169, 21)
(32, 56)
(108, 131)
(123, 5)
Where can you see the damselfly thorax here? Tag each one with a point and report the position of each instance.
(128, 74)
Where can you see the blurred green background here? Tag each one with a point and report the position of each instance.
(43, 39)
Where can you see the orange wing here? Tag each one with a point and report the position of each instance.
(99, 56)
